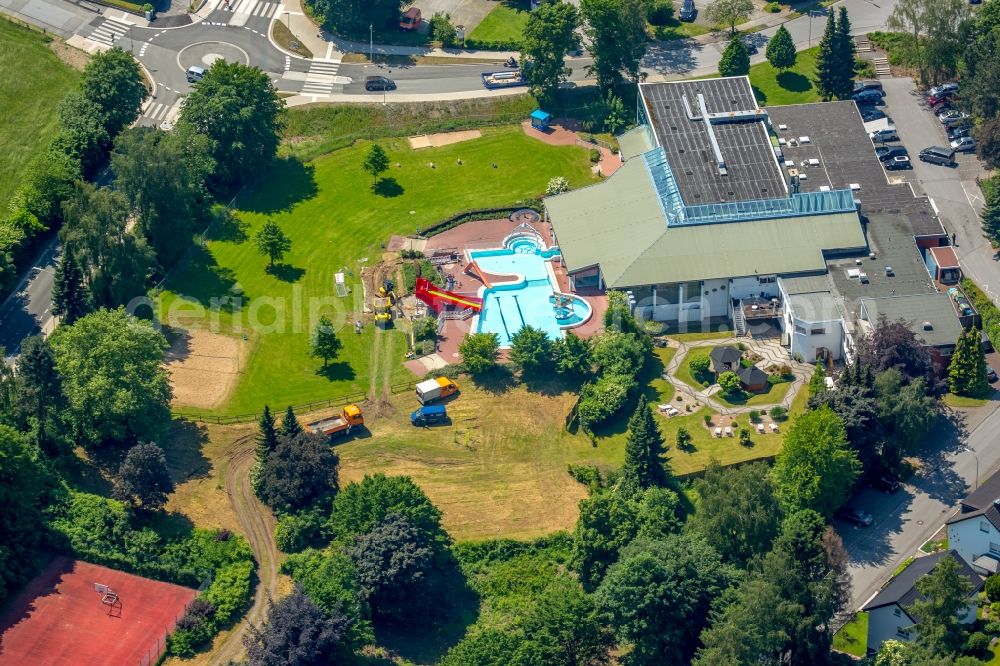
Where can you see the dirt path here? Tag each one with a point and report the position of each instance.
(258, 525)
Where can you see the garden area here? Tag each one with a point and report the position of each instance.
(336, 221)
(502, 28)
(28, 116)
(696, 370)
(792, 86)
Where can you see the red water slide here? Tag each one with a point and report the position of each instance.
(438, 298)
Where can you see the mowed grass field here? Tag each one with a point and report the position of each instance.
(32, 82)
(337, 221)
(794, 86)
(504, 23)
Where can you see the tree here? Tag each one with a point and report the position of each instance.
(24, 491)
(298, 633)
(620, 353)
(815, 469)
(376, 162)
(290, 425)
(843, 86)
(991, 207)
(944, 593)
(781, 50)
(729, 382)
(115, 261)
(827, 61)
(82, 134)
(531, 350)
(858, 409)
(169, 201)
(735, 59)
(817, 383)
(113, 377)
(113, 81)
(548, 36)
(910, 16)
(936, 27)
(38, 388)
(572, 356)
(353, 18)
(564, 628)
(70, 299)
(272, 242)
(987, 135)
(699, 365)
(617, 33)
(967, 369)
(360, 506)
(729, 13)
(891, 344)
(237, 107)
(325, 343)
(644, 466)
(684, 438)
(396, 566)
(737, 512)
(442, 30)
(143, 479)
(267, 436)
(300, 473)
(659, 594)
(480, 352)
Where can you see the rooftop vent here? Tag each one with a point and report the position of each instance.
(928, 326)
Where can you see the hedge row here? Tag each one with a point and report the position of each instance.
(493, 44)
(480, 214)
(988, 312)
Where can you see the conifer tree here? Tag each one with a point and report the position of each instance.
(991, 214)
(844, 52)
(817, 384)
(267, 438)
(780, 50)
(290, 425)
(826, 61)
(70, 299)
(967, 370)
(735, 59)
(644, 466)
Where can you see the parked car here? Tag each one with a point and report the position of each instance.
(870, 113)
(410, 20)
(868, 97)
(941, 106)
(379, 83)
(959, 132)
(952, 115)
(853, 514)
(991, 374)
(942, 97)
(688, 11)
(886, 153)
(884, 134)
(966, 144)
(868, 84)
(944, 88)
(429, 415)
(898, 163)
(887, 484)
(938, 155)
(961, 120)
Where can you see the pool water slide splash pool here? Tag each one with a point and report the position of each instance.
(437, 299)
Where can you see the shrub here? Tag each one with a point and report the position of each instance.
(659, 12)
(779, 413)
(588, 475)
(557, 185)
(993, 588)
(976, 643)
(230, 591)
(595, 155)
(754, 415)
(992, 628)
(729, 382)
(772, 7)
(602, 399)
(480, 352)
(296, 532)
(699, 364)
(425, 347)
(708, 419)
(745, 437)
(425, 328)
(442, 30)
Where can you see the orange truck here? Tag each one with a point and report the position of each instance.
(350, 417)
(410, 20)
(435, 389)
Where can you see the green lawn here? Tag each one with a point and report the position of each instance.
(852, 638)
(32, 82)
(794, 86)
(686, 375)
(505, 23)
(335, 220)
(675, 29)
(775, 393)
(953, 400)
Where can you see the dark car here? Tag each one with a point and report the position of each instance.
(898, 163)
(887, 153)
(991, 375)
(939, 107)
(946, 96)
(868, 84)
(688, 11)
(887, 484)
(379, 83)
(869, 97)
(959, 132)
(870, 113)
(855, 515)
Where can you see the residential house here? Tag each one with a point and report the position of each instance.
(974, 531)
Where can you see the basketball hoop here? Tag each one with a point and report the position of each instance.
(109, 598)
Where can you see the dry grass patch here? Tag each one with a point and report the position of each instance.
(203, 367)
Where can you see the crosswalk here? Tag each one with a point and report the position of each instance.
(159, 113)
(109, 31)
(321, 78)
(242, 10)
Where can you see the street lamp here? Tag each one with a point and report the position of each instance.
(973, 452)
(371, 43)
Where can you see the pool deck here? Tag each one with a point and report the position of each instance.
(489, 234)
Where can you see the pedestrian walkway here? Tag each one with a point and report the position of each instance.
(242, 10)
(322, 77)
(157, 113)
(108, 31)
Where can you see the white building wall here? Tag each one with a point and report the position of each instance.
(749, 287)
(806, 343)
(885, 623)
(969, 539)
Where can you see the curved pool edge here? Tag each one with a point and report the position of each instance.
(590, 310)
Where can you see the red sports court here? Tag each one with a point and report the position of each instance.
(77, 613)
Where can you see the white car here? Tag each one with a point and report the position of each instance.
(951, 116)
(966, 144)
(944, 89)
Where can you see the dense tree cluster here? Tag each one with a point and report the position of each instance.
(835, 62)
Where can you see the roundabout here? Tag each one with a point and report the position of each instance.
(203, 54)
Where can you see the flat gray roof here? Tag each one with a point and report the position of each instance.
(619, 225)
(634, 142)
(935, 309)
(805, 284)
(817, 306)
(752, 170)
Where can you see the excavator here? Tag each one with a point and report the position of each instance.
(383, 303)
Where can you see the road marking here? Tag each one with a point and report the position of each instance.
(288, 63)
(109, 31)
(321, 78)
(973, 198)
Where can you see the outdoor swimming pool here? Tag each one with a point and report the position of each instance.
(529, 298)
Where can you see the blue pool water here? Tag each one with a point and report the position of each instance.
(508, 307)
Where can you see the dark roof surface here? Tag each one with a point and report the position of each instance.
(984, 496)
(988, 512)
(902, 588)
(752, 376)
(752, 169)
(720, 355)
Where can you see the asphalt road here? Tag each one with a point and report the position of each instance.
(28, 310)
